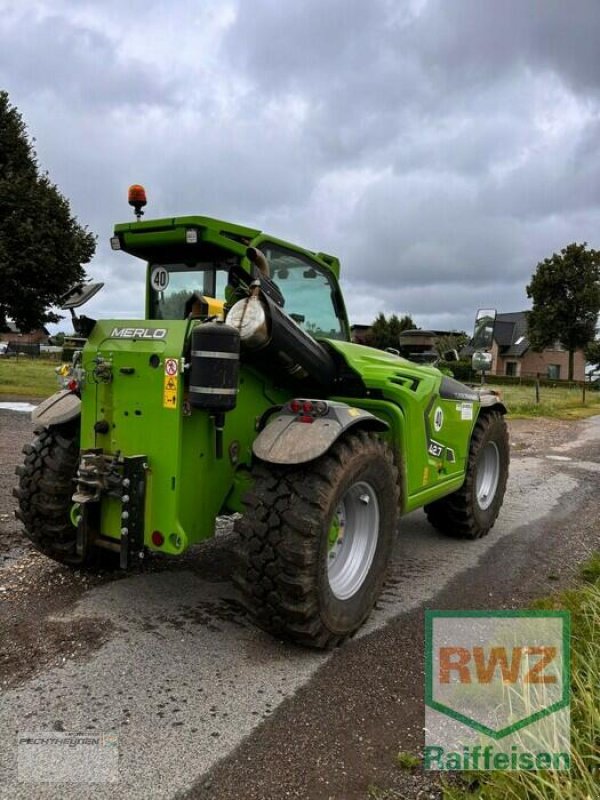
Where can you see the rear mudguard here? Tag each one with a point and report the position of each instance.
(61, 407)
(295, 437)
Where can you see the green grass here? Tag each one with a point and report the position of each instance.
(554, 402)
(28, 377)
(583, 780)
(31, 377)
(407, 761)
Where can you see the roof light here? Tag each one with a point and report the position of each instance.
(136, 197)
(115, 243)
(191, 236)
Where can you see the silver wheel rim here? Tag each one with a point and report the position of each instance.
(353, 540)
(488, 474)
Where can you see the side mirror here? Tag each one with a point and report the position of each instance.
(79, 294)
(481, 362)
(483, 335)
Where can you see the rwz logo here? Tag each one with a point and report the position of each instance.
(458, 660)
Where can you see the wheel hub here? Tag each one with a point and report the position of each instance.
(352, 540)
(488, 475)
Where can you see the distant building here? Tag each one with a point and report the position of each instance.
(513, 355)
(421, 346)
(12, 334)
(360, 333)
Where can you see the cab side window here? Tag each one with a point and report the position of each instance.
(308, 291)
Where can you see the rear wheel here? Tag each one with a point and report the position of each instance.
(316, 540)
(471, 512)
(46, 485)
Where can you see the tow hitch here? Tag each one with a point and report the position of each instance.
(123, 478)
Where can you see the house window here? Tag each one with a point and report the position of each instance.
(511, 368)
(554, 372)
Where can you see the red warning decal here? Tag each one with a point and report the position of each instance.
(171, 366)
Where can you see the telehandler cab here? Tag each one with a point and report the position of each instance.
(240, 391)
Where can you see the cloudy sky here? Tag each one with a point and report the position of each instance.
(440, 148)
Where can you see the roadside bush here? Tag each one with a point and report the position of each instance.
(461, 370)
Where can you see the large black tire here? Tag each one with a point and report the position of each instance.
(298, 583)
(44, 492)
(471, 512)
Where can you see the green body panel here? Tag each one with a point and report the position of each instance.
(409, 399)
(187, 486)
(148, 415)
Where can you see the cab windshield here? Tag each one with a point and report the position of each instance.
(312, 298)
(172, 285)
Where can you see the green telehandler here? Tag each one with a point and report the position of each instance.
(241, 393)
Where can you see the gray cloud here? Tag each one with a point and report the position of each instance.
(440, 149)
(53, 56)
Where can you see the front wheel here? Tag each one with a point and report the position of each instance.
(316, 540)
(471, 512)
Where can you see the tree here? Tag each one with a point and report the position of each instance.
(451, 341)
(566, 300)
(42, 246)
(592, 352)
(385, 333)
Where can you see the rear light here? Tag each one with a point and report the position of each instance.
(312, 408)
(158, 539)
(72, 385)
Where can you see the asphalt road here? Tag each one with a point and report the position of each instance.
(204, 705)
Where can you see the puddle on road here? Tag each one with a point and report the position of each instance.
(26, 408)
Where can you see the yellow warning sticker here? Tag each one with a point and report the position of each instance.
(170, 392)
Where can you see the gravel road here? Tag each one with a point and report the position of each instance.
(203, 705)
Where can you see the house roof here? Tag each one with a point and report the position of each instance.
(510, 334)
(11, 327)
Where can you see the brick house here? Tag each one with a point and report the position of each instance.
(513, 355)
(12, 334)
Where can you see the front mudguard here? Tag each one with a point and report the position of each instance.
(62, 407)
(489, 399)
(295, 437)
